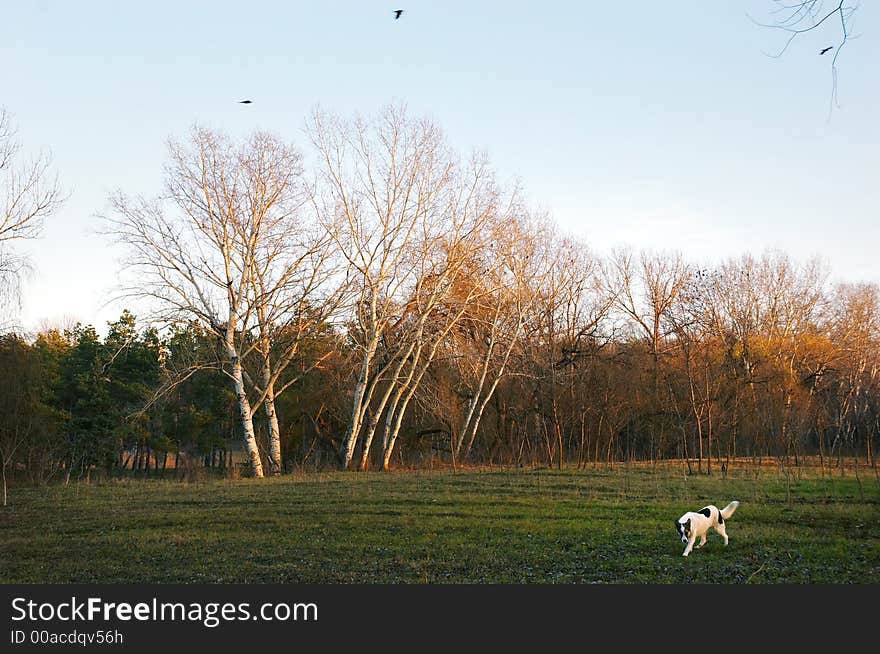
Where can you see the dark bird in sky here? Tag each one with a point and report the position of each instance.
(245, 102)
(824, 50)
(397, 13)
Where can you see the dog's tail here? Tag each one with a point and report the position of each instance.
(728, 510)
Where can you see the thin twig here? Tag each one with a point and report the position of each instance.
(749, 580)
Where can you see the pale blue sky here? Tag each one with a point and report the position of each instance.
(660, 125)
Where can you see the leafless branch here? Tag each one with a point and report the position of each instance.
(30, 193)
(799, 18)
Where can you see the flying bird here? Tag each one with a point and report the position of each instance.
(397, 13)
(245, 102)
(824, 50)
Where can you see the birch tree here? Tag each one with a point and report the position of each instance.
(296, 287)
(519, 265)
(30, 193)
(195, 249)
(475, 217)
(392, 189)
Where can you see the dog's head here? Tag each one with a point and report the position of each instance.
(684, 529)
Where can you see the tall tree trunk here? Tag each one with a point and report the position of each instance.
(397, 409)
(394, 383)
(357, 408)
(269, 398)
(244, 411)
(478, 416)
(274, 431)
(393, 429)
(465, 427)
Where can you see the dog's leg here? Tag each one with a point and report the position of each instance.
(721, 529)
(690, 546)
(702, 541)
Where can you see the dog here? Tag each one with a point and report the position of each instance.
(696, 524)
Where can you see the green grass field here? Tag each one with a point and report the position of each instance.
(496, 526)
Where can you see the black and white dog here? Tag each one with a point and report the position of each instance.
(696, 524)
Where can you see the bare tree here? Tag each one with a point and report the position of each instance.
(196, 250)
(392, 191)
(762, 312)
(30, 194)
(646, 295)
(296, 288)
(569, 313)
(519, 264)
(475, 218)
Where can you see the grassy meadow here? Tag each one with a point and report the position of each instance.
(568, 526)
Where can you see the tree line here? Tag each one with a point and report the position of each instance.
(393, 303)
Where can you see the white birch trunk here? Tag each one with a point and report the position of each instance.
(274, 432)
(479, 416)
(394, 419)
(394, 383)
(244, 409)
(475, 422)
(396, 411)
(472, 406)
(484, 371)
(374, 421)
(393, 429)
(271, 415)
(357, 409)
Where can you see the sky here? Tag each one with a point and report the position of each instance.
(655, 125)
